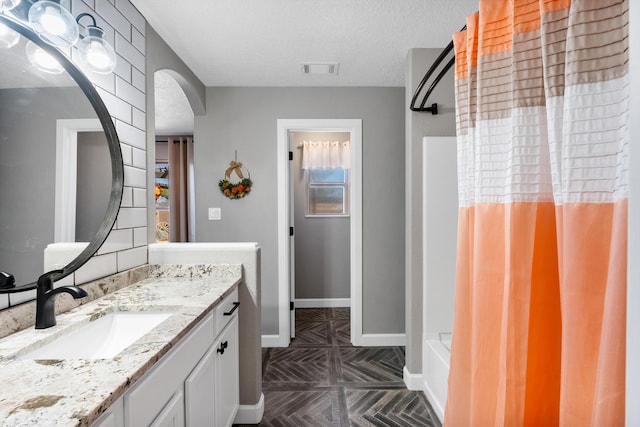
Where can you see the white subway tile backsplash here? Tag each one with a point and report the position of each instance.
(90, 3)
(116, 19)
(127, 197)
(129, 52)
(130, 94)
(20, 297)
(123, 68)
(132, 217)
(137, 39)
(132, 14)
(139, 158)
(132, 258)
(4, 301)
(138, 80)
(117, 240)
(131, 135)
(139, 119)
(140, 236)
(135, 177)
(97, 267)
(140, 197)
(117, 107)
(105, 81)
(127, 150)
(58, 255)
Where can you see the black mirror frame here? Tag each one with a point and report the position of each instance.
(115, 152)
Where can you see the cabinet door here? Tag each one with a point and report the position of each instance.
(199, 389)
(172, 415)
(112, 417)
(227, 380)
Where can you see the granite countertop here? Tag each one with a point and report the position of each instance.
(74, 392)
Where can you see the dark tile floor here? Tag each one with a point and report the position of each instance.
(322, 380)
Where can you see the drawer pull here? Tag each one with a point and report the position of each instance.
(223, 345)
(230, 312)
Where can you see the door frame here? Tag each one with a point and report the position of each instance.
(66, 174)
(354, 127)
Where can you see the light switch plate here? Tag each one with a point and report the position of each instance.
(215, 214)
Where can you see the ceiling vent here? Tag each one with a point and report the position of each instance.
(319, 68)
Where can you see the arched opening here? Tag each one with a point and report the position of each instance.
(173, 166)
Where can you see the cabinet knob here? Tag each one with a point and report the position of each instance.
(223, 345)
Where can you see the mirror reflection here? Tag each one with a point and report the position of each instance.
(55, 169)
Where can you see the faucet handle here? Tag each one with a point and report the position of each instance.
(45, 282)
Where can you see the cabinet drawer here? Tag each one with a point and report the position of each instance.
(227, 310)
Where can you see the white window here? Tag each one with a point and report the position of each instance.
(327, 192)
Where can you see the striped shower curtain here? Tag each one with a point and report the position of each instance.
(542, 95)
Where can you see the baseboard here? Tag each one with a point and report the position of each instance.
(322, 302)
(412, 381)
(382, 340)
(250, 414)
(274, 341)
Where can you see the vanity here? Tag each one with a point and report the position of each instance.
(157, 344)
(182, 371)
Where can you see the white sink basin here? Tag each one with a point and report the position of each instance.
(102, 338)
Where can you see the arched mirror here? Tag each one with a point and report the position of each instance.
(54, 131)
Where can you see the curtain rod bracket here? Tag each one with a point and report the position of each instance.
(448, 50)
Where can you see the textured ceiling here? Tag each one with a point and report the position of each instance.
(263, 42)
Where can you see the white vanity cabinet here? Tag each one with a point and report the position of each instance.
(227, 378)
(194, 384)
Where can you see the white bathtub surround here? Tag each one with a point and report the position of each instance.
(250, 317)
(440, 224)
(76, 392)
(435, 366)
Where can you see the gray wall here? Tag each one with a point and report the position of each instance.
(159, 56)
(94, 174)
(244, 119)
(418, 125)
(27, 172)
(322, 261)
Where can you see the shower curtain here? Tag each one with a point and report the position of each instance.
(542, 120)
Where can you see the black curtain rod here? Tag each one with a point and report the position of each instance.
(433, 109)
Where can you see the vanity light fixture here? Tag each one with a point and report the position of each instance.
(53, 23)
(95, 52)
(42, 60)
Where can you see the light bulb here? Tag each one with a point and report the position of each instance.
(8, 37)
(53, 23)
(42, 60)
(8, 4)
(95, 53)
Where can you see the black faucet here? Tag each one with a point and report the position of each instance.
(45, 294)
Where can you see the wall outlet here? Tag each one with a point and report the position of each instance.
(215, 214)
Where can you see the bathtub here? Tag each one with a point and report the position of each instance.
(436, 354)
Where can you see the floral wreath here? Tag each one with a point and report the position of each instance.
(238, 189)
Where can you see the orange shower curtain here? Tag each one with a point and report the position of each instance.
(542, 117)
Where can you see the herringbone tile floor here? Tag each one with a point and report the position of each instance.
(322, 380)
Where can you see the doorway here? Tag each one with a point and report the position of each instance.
(286, 242)
(321, 217)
